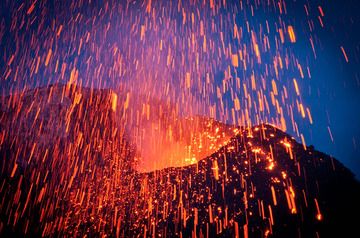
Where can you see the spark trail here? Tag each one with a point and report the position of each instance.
(97, 95)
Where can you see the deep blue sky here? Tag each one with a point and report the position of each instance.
(335, 85)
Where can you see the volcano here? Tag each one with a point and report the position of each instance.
(69, 167)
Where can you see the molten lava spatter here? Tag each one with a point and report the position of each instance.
(164, 118)
(75, 178)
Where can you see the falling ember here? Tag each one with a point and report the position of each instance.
(296, 87)
(321, 11)
(47, 60)
(166, 118)
(318, 214)
(291, 34)
(216, 170)
(330, 134)
(273, 195)
(114, 99)
(345, 55)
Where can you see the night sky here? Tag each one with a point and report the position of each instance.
(332, 93)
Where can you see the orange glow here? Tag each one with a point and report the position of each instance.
(271, 166)
(287, 144)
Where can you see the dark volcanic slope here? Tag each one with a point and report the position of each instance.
(263, 183)
(67, 170)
